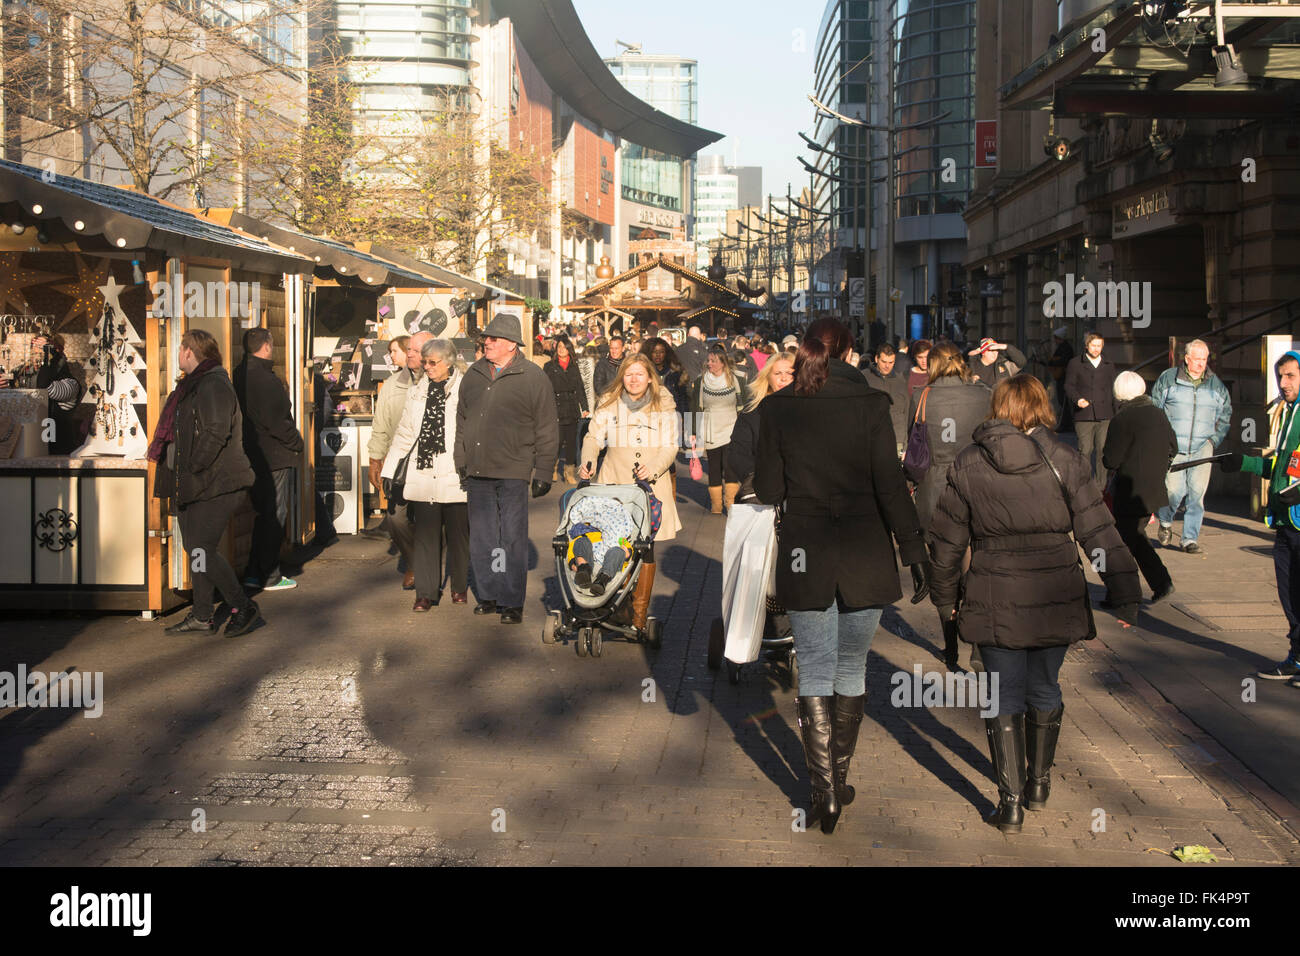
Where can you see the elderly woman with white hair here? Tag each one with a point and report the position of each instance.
(426, 437)
(1139, 447)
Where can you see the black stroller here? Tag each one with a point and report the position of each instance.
(585, 615)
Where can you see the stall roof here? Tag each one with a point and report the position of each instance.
(444, 276)
(129, 220)
(555, 38)
(329, 254)
(688, 274)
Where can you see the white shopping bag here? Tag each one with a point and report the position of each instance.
(748, 566)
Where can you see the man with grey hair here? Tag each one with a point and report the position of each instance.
(507, 432)
(1140, 444)
(1200, 410)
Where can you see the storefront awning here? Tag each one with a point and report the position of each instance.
(330, 255)
(554, 37)
(1117, 64)
(123, 219)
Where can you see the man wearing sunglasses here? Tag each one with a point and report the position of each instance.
(507, 433)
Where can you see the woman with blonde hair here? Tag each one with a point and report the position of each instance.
(716, 400)
(776, 374)
(636, 421)
(1013, 498)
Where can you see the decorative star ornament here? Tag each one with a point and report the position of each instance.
(110, 292)
(14, 278)
(85, 292)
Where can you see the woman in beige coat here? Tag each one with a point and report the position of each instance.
(637, 422)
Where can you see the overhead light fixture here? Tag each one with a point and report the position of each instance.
(1159, 147)
(1055, 147)
(1229, 71)
(37, 209)
(78, 225)
(18, 228)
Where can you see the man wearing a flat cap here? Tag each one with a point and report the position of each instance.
(507, 433)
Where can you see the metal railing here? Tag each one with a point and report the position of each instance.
(1292, 307)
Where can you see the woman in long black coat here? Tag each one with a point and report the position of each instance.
(826, 453)
(1025, 595)
(1140, 444)
(570, 404)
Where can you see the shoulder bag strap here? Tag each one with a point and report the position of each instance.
(1065, 492)
(920, 406)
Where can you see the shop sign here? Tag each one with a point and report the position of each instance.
(650, 217)
(1145, 213)
(986, 144)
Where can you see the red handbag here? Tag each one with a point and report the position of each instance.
(697, 470)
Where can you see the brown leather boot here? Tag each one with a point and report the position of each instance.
(571, 474)
(715, 499)
(730, 489)
(645, 585)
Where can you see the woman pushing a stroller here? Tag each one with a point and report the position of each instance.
(636, 422)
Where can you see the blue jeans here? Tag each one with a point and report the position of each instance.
(1025, 677)
(832, 647)
(1189, 484)
(498, 539)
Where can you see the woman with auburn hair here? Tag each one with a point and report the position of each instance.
(1014, 497)
(636, 420)
(827, 455)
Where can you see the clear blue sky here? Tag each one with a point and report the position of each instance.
(756, 69)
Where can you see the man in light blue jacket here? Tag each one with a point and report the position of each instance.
(1200, 411)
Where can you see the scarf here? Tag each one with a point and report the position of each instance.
(636, 406)
(716, 385)
(165, 433)
(564, 362)
(433, 439)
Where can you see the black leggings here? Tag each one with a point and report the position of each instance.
(569, 443)
(717, 464)
(202, 525)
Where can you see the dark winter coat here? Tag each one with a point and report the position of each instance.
(570, 394)
(831, 458)
(506, 425)
(741, 454)
(1025, 588)
(952, 412)
(1010, 361)
(679, 389)
(271, 438)
(1097, 385)
(1140, 444)
(606, 371)
(692, 354)
(209, 441)
(895, 386)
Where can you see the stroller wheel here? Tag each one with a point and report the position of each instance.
(733, 672)
(595, 641)
(550, 627)
(654, 632)
(580, 643)
(717, 638)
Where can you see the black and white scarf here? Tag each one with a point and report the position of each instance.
(433, 435)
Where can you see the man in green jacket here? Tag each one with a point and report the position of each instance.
(1280, 465)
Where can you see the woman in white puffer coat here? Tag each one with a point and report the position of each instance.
(427, 434)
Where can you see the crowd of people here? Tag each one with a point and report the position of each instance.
(940, 458)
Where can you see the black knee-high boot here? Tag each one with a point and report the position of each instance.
(1042, 730)
(817, 730)
(1007, 748)
(846, 718)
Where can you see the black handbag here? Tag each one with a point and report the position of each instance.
(916, 460)
(395, 487)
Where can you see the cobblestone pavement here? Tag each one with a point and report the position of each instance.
(350, 731)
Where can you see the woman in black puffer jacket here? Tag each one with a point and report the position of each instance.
(1025, 596)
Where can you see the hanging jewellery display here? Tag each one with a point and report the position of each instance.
(106, 415)
(121, 431)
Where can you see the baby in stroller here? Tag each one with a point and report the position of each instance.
(600, 536)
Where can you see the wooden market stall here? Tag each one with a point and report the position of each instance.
(121, 276)
(662, 291)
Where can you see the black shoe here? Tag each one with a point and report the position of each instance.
(1162, 593)
(582, 576)
(1006, 734)
(243, 621)
(846, 721)
(512, 615)
(598, 585)
(1042, 730)
(192, 625)
(485, 607)
(817, 730)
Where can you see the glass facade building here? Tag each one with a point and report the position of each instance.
(934, 72)
(408, 56)
(667, 83)
(717, 191)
